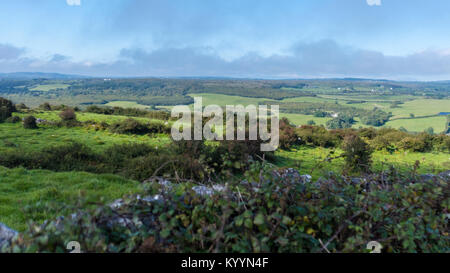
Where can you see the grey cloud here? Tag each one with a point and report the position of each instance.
(320, 59)
(59, 58)
(9, 52)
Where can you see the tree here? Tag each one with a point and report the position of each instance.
(46, 106)
(6, 109)
(68, 115)
(29, 122)
(357, 154)
(429, 131)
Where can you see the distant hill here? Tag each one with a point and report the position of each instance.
(39, 75)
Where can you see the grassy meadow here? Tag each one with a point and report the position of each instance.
(26, 192)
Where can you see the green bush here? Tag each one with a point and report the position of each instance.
(288, 137)
(68, 115)
(29, 122)
(129, 126)
(13, 119)
(357, 154)
(285, 215)
(6, 109)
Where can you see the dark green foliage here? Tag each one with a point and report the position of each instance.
(341, 122)
(29, 122)
(288, 137)
(21, 107)
(68, 115)
(132, 112)
(13, 119)
(46, 106)
(6, 109)
(283, 216)
(317, 136)
(357, 154)
(129, 126)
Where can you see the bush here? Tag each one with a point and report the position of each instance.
(68, 115)
(317, 136)
(357, 154)
(45, 106)
(13, 119)
(29, 122)
(288, 137)
(129, 126)
(6, 109)
(285, 215)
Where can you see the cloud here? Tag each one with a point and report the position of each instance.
(73, 2)
(320, 59)
(9, 52)
(374, 2)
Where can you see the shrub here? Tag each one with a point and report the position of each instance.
(129, 126)
(45, 106)
(288, 137)
(6, 109)
(317, 136)
(357, 154)
(13, 119)
(29, 122)
(69, 157)
(284, 215)
(68, 115)
(118, 156)
(21, 106)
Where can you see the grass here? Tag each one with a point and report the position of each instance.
(83, 117)
(299, 119)
(311, 160)
(14, 136)
(223, 100)
(49, 87)
(127, 104)
(419, 124)
(421, 107)
(23, 193)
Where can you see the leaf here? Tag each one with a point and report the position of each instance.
(259, 219)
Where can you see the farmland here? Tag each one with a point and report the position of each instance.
(95, 142)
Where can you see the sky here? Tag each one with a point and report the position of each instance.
(389, 39)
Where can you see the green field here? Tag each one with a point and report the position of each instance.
(127, 104)
(223, 100)
(49, 87)
(13, 136)
(83, 117)
(421, 107)
(25, 193)
(419, 124)
(312, 160)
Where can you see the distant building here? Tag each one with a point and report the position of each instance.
(335, 115)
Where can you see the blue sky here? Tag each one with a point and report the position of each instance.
(394, 39)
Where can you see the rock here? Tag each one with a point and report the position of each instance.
(445, 175)
(117, 204)
(292, 175)
(427, 177)
(152, 199)
(166, 185)
(203, 190)
(6, 235)
(306, 178)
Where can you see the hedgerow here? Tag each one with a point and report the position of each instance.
(271, 211)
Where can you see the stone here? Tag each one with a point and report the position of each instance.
(203, 190)
(6, 235)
